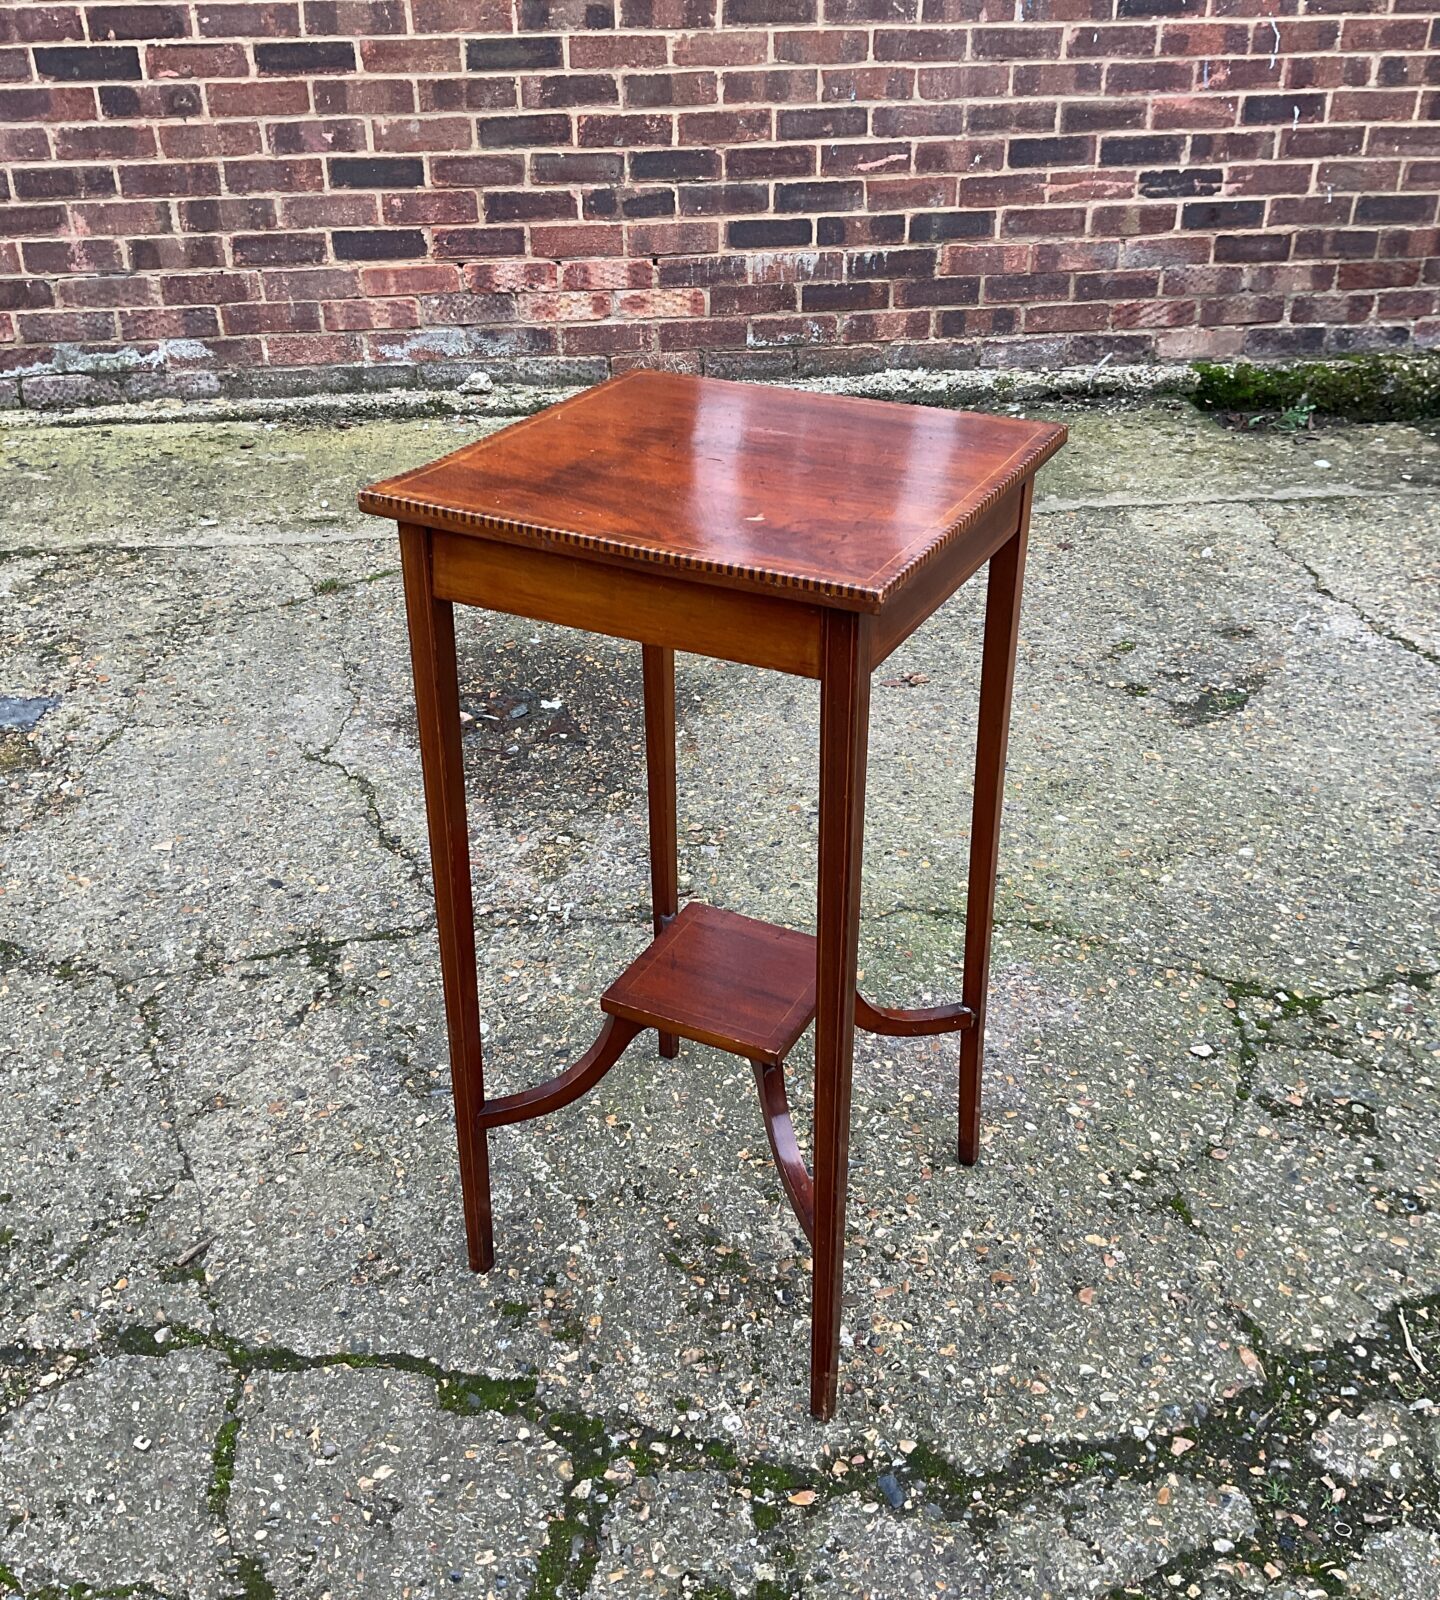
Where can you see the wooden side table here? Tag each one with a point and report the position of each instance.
(807, 533)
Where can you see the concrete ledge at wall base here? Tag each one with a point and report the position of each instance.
(512, 389)
(1372, 387)
(1367, 387)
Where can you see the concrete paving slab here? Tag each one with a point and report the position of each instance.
(1201, 1232)
(350, 1481)
(105, 1480)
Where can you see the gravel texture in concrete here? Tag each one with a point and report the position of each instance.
(1178, 1333)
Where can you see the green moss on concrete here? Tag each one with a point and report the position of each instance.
(1364, 388)
(254, 1583)
(222, 1474)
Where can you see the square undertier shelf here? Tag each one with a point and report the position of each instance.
(722, 980)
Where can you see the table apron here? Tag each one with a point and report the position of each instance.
(546, 586)
(940, 577)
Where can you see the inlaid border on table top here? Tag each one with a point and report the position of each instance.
(379, 500)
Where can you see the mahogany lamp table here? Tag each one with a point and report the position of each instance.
(803, 532)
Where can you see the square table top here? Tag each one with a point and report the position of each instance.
(754, 487)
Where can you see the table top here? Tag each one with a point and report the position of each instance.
(753, 487)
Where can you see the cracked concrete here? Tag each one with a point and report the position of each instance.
(1158, 1341)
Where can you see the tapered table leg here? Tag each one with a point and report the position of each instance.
(997, 680)
(844, 727)
(658, 666)
(437, 709)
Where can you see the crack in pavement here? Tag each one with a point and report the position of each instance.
(389, 841)
(1379, 629)
(1268, 1423)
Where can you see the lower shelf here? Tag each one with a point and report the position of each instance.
(728, 981)
(724, 980)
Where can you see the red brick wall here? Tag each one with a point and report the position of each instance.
(194, 195)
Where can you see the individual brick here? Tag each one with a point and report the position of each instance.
(771, 161)
(209, 288)
(920, 44)
(660, 166)
(1395, 208)
(769, 233)
(948, 291)
(94, 63)
(247, 19)
(672, 238)
(428, 209)
(226, 215)
(461, 94)
(772, 87)
(587, 51)
(461, 16)
(196, 61)
(933, 227)
(410, 56)
(543, 129)
(62, 183)
(431, 277)
(422, 134)
(1069, 151)
(823, 46)
(366, 97)
(1222, 214)
(478, 172)
(1028, 43)
(273, 177)
(25, 294)
(258, 99)
(1141, 150)
(172, 322)
(1180, 182)
(725, 127)
(176, 255)
(720, 48)
(1231, 247)
(821, 196)
(513, 54)
(722, 199)
(38, 220)
(277, 249)
(850, 232)
(867, 296)
(170, 178)
(375, 172)
(743, 13)
(41, 24)
(753, 299)
(529, 205)
(573, 89)
(850, 11)
(303, 57)
(829, 122)
(671, 89)
(891, 264)
(352, 17)
(1284, 108)
(378, 244)
(324, 210)
(110, 22)
(567, 166)
(1102, 116)
(481, 242)
(270, 317)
